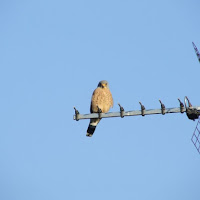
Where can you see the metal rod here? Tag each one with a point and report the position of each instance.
(76, 116)
(196, 51)
(121, 111)
(134, 113)
(162, 107)
(142, 109)
(181, 106)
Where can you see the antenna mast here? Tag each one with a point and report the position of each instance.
(196, 51)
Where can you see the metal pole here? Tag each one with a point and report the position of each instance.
(192, 112)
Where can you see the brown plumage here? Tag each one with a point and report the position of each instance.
(101, 98)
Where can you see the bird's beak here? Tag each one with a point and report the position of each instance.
(104, 85)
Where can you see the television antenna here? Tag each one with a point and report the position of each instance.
(192, 112)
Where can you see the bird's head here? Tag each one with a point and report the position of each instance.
(103, 84)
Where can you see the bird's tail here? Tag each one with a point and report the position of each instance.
(92, 126)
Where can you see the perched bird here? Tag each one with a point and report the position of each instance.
(101, 99)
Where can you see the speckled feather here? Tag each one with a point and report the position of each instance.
(101, 98)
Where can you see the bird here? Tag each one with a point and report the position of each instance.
(101, 101)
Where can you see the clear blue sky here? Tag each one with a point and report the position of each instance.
(52, 56)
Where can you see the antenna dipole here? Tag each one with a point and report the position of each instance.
(193, 112)
(196, 51)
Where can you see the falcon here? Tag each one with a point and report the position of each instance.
(101, 101)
